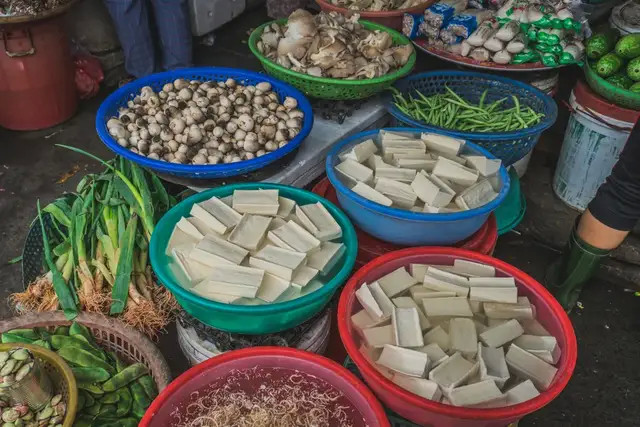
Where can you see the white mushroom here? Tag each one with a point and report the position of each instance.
(290, 103)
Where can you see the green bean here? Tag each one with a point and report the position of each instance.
(124, 402)
(93, 409)
(107, 410)
(62, 341)
(109, 398)
(140, 398)
(91, 388)
(61, 330)
(83, 358)
(149, 386)
(78, 329)
(126, 376)
(88, 397)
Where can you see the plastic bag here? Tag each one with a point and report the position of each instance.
(88, 75)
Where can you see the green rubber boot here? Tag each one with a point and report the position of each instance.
(578, 264)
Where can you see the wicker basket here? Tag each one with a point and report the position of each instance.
(335, 89)
(111, 334)
(59, 373)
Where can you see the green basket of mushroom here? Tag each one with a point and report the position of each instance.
(331, 56)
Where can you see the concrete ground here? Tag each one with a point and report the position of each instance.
(605, 386)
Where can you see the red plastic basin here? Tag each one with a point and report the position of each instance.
(178, 393)
(483, 241)
(429, 413)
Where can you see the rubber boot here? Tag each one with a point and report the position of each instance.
(578, 264)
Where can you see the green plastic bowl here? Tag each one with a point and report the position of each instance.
(328, 88)
(619, 96)
(251, 319)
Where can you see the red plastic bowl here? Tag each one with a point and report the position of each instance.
(200, 376)
(483, 241)
(389, 18)
(426, 412)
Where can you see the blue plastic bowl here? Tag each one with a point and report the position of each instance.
(508, 146)
(404, 227)
(119, 98)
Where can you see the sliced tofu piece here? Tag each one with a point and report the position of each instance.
(303, 275)
(403, 360)
(528, 366)
(533, 327)
(485, 393)
(379, 336)
(237, 274)
(361, 151)
(396, 282)
(280, 256)
(222, 211)
(505, 295)
(362, 320)
(408, 302)
(447, 276)
(462, 266)
(442, 143)
(478, 194)
(374, 161)
(417, 164)
(258, 202)
(395, 173)
(286, 207)
(418, 271)
(179, 239)
(448, 307)
(493, 365)
(250, 231)
(406, 327)
(492, 282)
(497, 310)
(385, 304)
(400, 193)
(272, 287)
(455, 172)
(452, 372)
(207, 219)
(280, 271)
(226, 288)
(213, 251)
(420, 386)
(369, 193)
(326, 258)
(437, 335)
(429, 192)
(435, 353)
(521, 393)
(188, 228)
(368, 302)
(463, 337)
(296, 237)
(501, 334)
(354, 171)
(436, 284)
(545, 347)
(321, 223)
(486, 167)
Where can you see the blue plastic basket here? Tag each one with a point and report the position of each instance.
(404, 227)
(119, 98)
(507, 146)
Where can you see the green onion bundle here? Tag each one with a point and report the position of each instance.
(450, 111)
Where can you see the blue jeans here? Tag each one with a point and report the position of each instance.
(132, 22)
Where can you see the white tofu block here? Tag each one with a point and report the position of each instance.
(188, 228)
(212, 250)
(361, 152)
(408, 362)
(395, 173)
(436, 284)
(222, 211)
(452, 372)
(226, 288)
(362, 320)
(493, 365)
(399, 192)
(442, 143)
(179, 239)
(506, 295)
(276, 222)
(493, 282)
(463, 337)
(429, 192)
(448, 156)
(304, 220)
(272, 287)
(296, 237)
(476, 307)
(441, 183)
(322, 220)
(419, 386)
(521, 393)
(280, 256)
(303, 275)
(418, 271)
(396, 282)
(447, 276)
(480, 327)
(426, 164)
(501, 334)
(545, 347)
(204, 292)
(272, 268)
(498, 310)
(368, 302)
(374, 161)
(285, 207)
(369, 193)
(250, 231)
(227, 200)
(442, 321)
(435, 353)
(486, 167)
(474, 395)
(406, 327)
(237, 274)
(528, 366)
(455, 172)
(418, 292)
(438, 336)
(462, 266)
(379, 337)
(208, 219)
(478, 194)
(408, 302)
(196, 270)
(327, 257)
(181, 260)
(202, 226)
(259, 202)
(355, 171)
(385, 304)
(533, 327)
(373, 354)
(495, 322)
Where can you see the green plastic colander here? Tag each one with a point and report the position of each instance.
(335, 89)
(622, 97)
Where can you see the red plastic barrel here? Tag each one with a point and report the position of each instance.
(427, 412)
(483, 241)
(37, 87)
(180, 392)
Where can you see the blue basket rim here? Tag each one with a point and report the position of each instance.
(348, 233)
(547, 121)
(222, 169)
(406, 214)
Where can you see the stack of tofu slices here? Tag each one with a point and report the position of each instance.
(456, 334)
(428, 174)
(255, 247)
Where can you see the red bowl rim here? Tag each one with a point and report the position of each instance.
(195, 371)
(367, 14)
(507, 412)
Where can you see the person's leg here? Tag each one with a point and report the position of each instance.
(172, 20)
(609, 218)
(131, 19)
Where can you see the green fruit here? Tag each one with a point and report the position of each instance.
(635, 87)
(633, 69)
(628, 47)
(620, 80)
(609, 64)
(601, 43)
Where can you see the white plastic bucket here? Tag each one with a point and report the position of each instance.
(591, 147)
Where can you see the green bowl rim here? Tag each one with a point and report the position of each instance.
(348, 234)
(400, 72)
